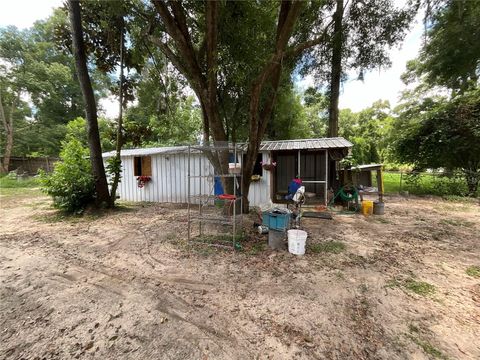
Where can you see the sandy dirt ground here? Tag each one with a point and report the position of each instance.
(127, 285)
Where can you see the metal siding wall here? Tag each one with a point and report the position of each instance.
(127, 180)
(170, 184)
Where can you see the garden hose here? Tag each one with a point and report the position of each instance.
(345, 196)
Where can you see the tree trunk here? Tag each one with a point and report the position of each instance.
(203, 79)
(269, 78)
(335, 79)
(257, 131)
(8, 125)
(101, 186)
(336, 71)
(117, 162)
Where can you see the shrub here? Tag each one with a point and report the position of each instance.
(71, 184)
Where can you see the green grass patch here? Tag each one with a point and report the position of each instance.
(423, 344)
(453, 187)
(7, 182)
(20, 192)
(391, 182)
(257, 248)
(428, 348)
(22, 187)
(473, 271)
(419, 287)
(334, 247)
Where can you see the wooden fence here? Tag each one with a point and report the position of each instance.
(31, 165)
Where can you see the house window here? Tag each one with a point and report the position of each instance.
(142, 166)
(257, 167)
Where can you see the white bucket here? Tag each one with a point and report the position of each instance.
(296, 241)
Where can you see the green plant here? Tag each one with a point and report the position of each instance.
(334, 247)
(473, 271)
(415, 333)
(114, 166)
(348, 162)
(419, 287)
(71, 184)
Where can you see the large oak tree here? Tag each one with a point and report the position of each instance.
(192, 36)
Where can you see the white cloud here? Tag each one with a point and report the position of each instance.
(378, 84)
(108, 107)
(23, 13)
(382, 84)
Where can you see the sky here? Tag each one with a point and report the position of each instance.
(382, 84)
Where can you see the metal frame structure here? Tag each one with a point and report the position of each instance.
(205, 199)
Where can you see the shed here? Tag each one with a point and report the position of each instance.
(361, 177)
(168, 169)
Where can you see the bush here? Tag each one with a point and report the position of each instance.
(71, 184)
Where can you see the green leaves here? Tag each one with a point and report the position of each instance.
(441, 133)
(451, 55)
(71, 184)
(368, 130)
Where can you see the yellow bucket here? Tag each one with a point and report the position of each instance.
(367, 207)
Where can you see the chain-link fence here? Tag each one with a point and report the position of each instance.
(439, 183)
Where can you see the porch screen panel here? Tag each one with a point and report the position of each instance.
(285, 171)
(312, 168)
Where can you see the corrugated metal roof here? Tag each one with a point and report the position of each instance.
(149, 151)
(299, 144)
(275, 145)
(367, 167)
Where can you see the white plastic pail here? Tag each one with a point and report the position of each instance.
(296, 241)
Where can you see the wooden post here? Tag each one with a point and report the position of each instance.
(380, 184)
(401, 178)
(298, 165)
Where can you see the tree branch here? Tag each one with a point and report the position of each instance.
(175, 60)
(297, 50)
(177, 29)
(180, 19)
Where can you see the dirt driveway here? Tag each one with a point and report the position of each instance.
(127, 285)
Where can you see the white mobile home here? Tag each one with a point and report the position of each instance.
(166, 170)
